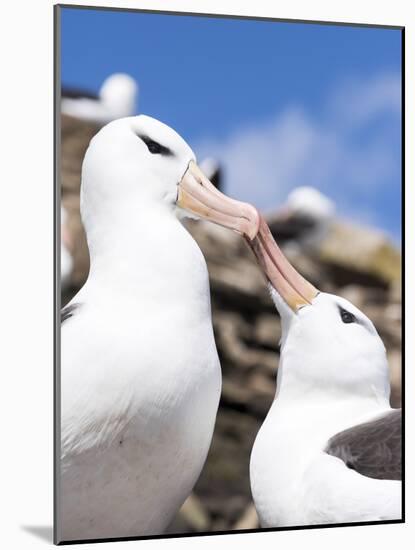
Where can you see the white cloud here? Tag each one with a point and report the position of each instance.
(357, 102)
(264, 162)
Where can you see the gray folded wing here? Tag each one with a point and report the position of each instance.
(373, 448)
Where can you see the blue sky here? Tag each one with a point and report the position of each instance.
(280, 104)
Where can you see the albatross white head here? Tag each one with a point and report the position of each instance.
(137, 175)
(118, 95)
(329, 348)
(309, 202)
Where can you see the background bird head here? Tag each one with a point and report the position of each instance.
(309, 202)
(119, 94)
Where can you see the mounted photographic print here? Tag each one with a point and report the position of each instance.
(228, 274)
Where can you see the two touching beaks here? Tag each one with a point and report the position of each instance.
(196, 194)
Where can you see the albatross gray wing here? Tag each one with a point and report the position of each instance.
(373, 448)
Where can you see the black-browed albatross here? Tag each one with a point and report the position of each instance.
(329, 450)
(140, 375)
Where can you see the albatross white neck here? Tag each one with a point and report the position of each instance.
(132, 245)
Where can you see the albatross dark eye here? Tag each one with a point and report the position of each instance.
(153, 147)
(156, 148)
(346, 316)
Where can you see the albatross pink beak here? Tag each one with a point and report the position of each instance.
(198, 195)
(290, 285)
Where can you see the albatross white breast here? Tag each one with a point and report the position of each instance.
(140, 376)
(329, 449)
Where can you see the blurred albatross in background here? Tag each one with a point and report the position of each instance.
(116, 99)
(140, 375)
(304, 220)
(329, 450)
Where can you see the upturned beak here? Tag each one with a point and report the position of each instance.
(199, 196)
(290, 285)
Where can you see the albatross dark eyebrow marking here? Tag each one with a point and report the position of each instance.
(156, 148)
(68, 311)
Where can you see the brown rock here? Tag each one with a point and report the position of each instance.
(75, 137)
(194, 514)
(363, 251)
(248, 520)
(395, 369)
(267, 331)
